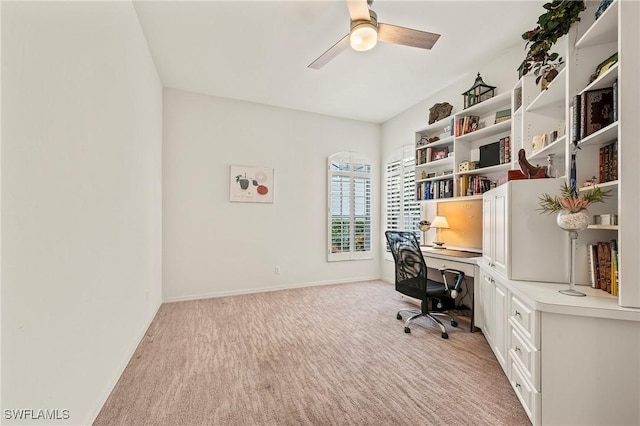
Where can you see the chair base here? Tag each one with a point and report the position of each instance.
(415, 313)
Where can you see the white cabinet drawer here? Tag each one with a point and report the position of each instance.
(528, 396)
(436, 263)
(526, 320)
(524, 354)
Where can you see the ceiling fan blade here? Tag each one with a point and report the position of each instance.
(406, 36)
(330, 54)
(358, 10)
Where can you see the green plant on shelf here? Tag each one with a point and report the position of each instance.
(569, 200)
(552, 25)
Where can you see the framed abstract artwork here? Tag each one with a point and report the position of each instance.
(250, 184)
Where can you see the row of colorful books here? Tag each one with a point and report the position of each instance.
(434, 189)
(472, 185)
(467, 124)
(603, 266)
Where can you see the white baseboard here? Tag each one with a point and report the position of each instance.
(112, 383)
(263, 290)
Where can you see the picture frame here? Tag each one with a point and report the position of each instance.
(250, 184)
(439, 154)
(431, 175)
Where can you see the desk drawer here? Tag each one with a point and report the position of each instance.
(523, 353)
(528, 396)
(436, 263)
(526, 319)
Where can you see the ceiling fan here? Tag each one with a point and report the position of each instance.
(366, 31)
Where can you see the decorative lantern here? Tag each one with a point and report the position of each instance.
(478, 93)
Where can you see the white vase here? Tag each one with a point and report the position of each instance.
(573, 221)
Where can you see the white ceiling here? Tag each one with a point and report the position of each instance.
(259, 50)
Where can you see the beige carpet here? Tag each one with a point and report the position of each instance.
(329, 355)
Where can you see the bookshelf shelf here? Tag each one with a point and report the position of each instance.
(553, 97)
(601, 137)
(604, 227)
(488, 106)
(452, 199)
(555, 148)
(443, 162)
(442, 142)
(431, 179)
(604, 30)
(486, 170)
(611, 185)
(485, 132)
(605, 80)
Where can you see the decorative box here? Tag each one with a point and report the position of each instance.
(465, 166)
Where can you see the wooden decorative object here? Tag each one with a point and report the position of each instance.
(439, 111)
(528, 169)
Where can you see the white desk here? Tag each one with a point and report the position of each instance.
(464, 261)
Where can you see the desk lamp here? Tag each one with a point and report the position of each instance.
(439, 222)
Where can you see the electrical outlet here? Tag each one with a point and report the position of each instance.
(276, 270)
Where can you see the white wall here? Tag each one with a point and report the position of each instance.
(81, 202)
(500, 71)
(214, 247)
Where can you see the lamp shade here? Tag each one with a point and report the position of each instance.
(440, 222)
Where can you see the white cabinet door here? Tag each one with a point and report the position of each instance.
(499, 331)
(517, 238)
(486, 297)
(501, 231)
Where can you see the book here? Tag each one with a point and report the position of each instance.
(604, 265)
(614, 88)
(467, 124)
(608, 162)
(503, 115)
(575, 120)
(518, 97)
(614, 267)
(597, 110)
(592, 261)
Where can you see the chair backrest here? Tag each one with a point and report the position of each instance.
(411, 270)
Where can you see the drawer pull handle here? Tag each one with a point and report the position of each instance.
(517, 314)
(517, 349)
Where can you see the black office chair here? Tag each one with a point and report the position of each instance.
(411, 279)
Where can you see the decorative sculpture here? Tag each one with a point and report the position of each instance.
(439, 111)
(528, 169)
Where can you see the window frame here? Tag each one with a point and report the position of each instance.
(352, 159)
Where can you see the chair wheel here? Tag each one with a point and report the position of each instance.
(399, 316)
(408, 330)
(445, 336)
(454, 323)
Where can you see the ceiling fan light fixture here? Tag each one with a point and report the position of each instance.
(363, 36)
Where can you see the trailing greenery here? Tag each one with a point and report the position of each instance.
(552, 25)
(569, 200)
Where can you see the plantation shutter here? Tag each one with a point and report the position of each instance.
(350, 221)
(402, 209)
